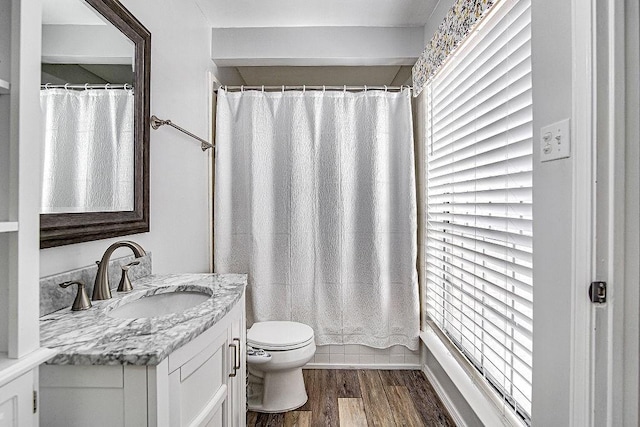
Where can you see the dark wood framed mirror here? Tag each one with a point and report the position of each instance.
(62, 228)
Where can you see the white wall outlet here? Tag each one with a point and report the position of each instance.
(555, 141)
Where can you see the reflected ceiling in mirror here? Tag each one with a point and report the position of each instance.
(95, 107)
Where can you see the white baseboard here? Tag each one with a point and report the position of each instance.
(407, 366)
(444, 396)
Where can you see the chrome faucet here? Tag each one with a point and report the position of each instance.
(101, 289)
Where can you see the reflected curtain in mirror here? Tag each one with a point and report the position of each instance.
(88, 150)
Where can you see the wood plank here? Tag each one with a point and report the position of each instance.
(351, 412)
(324, 405)
(251, 418)
(392, 377)
(297, 419)
(386, 398)
(348, 383)
(404, 412)
(376, 405)
(426, 401)
(270, 420)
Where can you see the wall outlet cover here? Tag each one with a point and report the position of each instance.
(555, 141)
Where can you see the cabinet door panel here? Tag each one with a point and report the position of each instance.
(237, 384)
(16, 402)
(8, 413)
(80, 407)
(198, 389)
(216, 420)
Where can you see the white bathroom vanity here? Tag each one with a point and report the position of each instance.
(180, 369)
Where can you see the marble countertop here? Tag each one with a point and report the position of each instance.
(92, 337)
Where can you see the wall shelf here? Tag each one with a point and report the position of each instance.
(5, 87)
(8, 226)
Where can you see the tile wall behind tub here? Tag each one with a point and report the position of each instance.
(360, 355)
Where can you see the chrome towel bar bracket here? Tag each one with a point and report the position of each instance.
(156, 123)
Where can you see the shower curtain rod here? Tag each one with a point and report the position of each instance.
(283, 88)
(86, 86)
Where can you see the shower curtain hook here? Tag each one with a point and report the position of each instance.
(86, 86)
(262, 88)
(66, 86)
(46, 86)
(385, 88)
(324, 88)
(282, 88)
(242, 88)
(365, 88)
(304, 88)
(106, 86)
(225, 88)
(344, 89)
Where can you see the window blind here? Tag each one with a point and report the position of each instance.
(479, 201)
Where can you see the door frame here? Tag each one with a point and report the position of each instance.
(583, 214)
(605, 337)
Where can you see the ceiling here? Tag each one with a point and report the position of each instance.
(288, 13)
(316, 13)
(251, 15)
(69, 12)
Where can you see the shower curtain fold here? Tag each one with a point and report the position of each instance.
(315, 199)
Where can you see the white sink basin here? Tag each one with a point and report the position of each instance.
(159, 305)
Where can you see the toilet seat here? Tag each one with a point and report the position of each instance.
(279, 335)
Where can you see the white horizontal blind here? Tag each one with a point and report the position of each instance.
(479, 207)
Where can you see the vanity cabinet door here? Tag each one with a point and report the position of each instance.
(237, 406)
(198, 388)
(207, 376)
(16, 402)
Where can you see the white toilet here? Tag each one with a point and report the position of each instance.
(276, 353)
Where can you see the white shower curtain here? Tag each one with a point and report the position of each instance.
(315, 199)
(88, 155)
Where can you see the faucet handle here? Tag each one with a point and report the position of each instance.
(131, 264)
(82, 301)
(125, 283)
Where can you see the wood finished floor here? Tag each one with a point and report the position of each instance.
(356, 398)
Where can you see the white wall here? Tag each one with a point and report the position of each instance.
(179, 229)
(85, 44)
(435, 19)
(630, 368)
(552, 210)
(316, 46)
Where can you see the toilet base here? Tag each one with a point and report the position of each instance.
(282, 391)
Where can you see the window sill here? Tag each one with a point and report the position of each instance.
(480, 396)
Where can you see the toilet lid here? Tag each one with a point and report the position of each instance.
(277, 335)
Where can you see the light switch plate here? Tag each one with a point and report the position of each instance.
(555, 141)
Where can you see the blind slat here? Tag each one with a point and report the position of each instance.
(526, 304)
(479, 162)
(438, 301)
(494, 249)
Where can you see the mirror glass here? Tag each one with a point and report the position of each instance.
(94, 95)
(87, 101)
